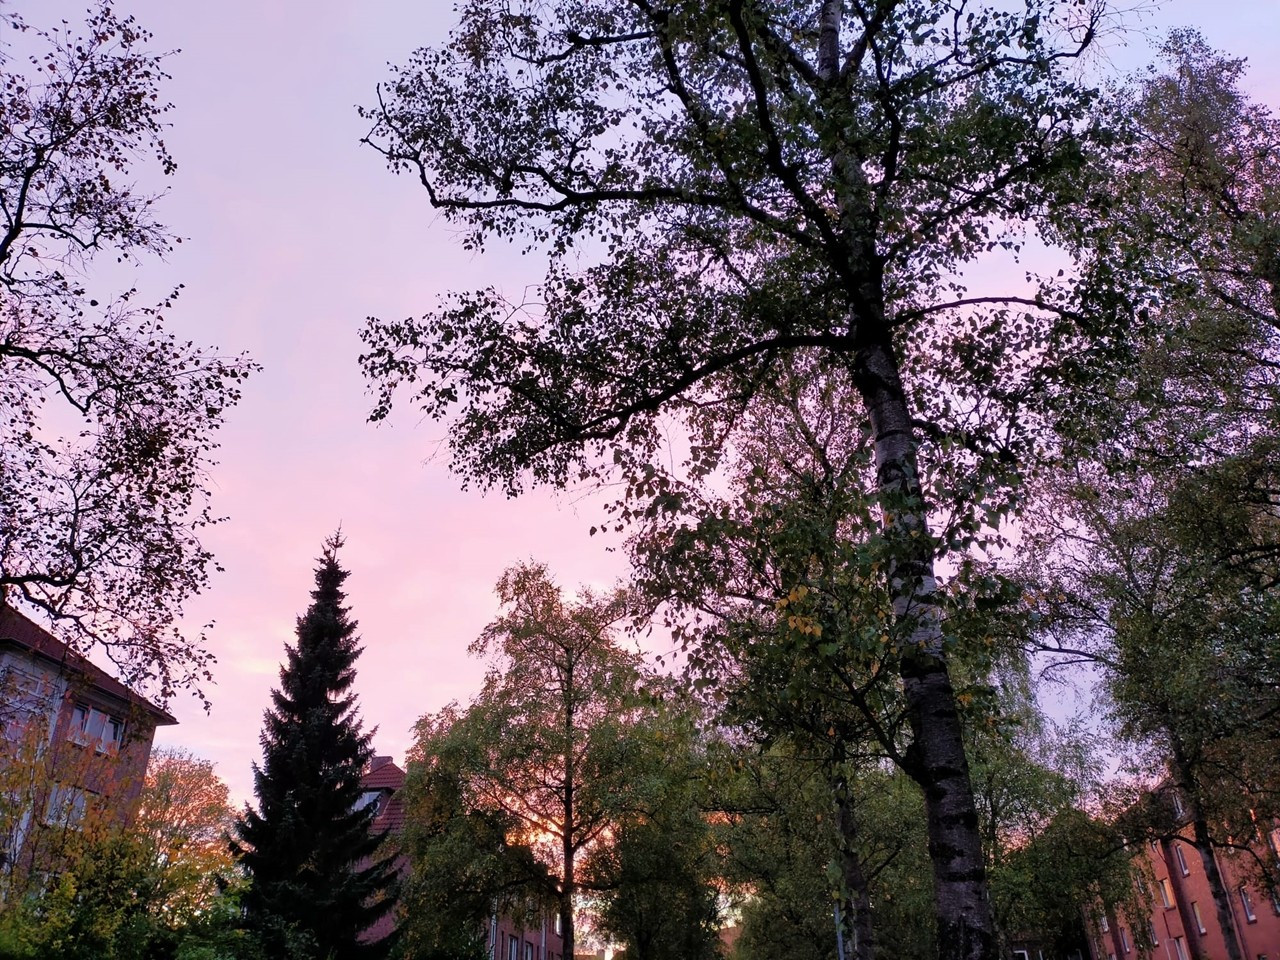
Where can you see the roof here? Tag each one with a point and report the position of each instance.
(28, 635)
(382, 774)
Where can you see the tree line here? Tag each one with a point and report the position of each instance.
(867, 490)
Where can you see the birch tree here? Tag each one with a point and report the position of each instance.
(718, 186)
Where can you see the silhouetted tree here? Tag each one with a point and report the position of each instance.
(316, 880)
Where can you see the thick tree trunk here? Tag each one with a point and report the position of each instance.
(936, 757)
(855, 903)
(1181, 768)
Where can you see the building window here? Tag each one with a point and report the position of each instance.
(91, 726)
(528, 950)
(1246, 902)
(558, 929)
(1151, 930)
(1103, 925)
(25, 697)
(1124, 940)
(1182, 860)
(1166, 892)
(1195, 912)
(1175, 798)
(1180, 949)
(66, 807)
(513, 947)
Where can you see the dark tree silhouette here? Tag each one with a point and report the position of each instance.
(318, 881)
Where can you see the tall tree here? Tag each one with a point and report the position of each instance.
(1155, 551)
(317, 882)
(549, 749)
(109, 419)
(744, 180)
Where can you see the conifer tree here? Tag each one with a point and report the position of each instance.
(317, 881)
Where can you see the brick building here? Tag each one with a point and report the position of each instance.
(76, 741)
(1182, 920)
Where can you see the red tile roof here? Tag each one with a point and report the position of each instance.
(31, 636)
(382, 774)
(385, 776)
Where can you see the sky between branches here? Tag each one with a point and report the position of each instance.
(293, 233)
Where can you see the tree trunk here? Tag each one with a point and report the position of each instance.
(936, 759)
(1184, 781)
(855, 900)
(568, 849)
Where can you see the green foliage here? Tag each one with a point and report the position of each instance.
(465, 862)
(317, 877)
(724, 188)
(658, 894)
(571, 778)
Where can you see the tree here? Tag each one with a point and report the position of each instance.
(657, 881)
(161, 885)
(1183, 645)
(109, 421)
(185, 817)
(317, 881)
(1154, 552)
(548, 752)
(746, 180)
(465, 862)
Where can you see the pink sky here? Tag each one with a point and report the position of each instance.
(293, 233)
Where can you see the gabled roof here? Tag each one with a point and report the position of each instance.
(382, 774)
(30, 636)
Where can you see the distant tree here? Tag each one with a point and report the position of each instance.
(317, 881)
(185, 816)
(658, 881)
(1153, 551)
(548, 754)
(107, 433)
(465, 862)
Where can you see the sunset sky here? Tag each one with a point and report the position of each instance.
(293, 234)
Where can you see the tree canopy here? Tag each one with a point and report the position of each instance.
(720, 186)
(109, 423)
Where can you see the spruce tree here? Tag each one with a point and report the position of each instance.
(317, 881)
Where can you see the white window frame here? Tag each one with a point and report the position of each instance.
(89, 725)
(1181, 858)
(1180, 948)
(66, 806)
(1166, 893)
(1151, 929)
(1246, 902)
(1195, 913)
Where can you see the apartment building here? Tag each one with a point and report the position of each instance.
(75, 741)
(1181, 922)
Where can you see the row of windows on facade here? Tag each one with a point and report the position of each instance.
(530, 951)
(1163, 891)
(27, 696)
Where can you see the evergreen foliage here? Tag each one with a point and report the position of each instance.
(317, 878)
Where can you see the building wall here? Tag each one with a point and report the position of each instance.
(74, 747)
(1181, 906)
